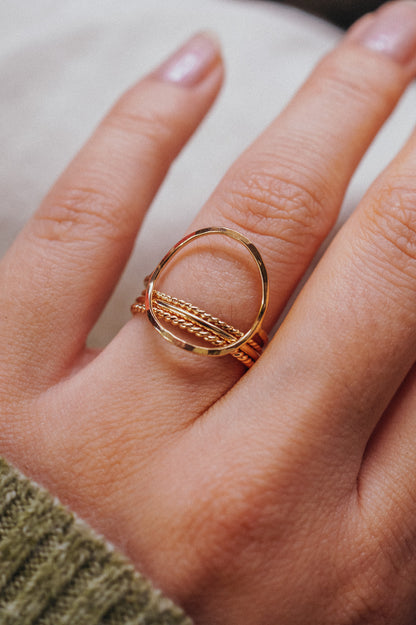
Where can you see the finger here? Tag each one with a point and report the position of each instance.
(284, 194)
(64, 265)
(350, 338)
(285, 191)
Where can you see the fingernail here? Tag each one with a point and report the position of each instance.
(189, 65)
(391, 31)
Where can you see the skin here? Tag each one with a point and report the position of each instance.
(285, 495)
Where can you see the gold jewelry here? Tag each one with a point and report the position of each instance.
(223, 337)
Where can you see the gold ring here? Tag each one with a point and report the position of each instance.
(223, 338)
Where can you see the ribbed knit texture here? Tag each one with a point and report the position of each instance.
(55, 571)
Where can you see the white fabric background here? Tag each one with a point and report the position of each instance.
(63, 62)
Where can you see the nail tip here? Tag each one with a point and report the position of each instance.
(193, 61)
(390, 31)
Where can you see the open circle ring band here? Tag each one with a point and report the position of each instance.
(223, 339)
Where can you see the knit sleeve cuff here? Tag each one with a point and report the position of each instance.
(55, 571)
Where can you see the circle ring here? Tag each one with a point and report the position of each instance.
(209, 351)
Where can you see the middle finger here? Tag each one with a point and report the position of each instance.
(284, 193)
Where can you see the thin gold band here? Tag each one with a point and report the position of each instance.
(201, 324)
(223, 338)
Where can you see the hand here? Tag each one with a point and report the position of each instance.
(286, 495)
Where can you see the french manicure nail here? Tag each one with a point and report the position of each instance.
(390, 31)
(192, 62)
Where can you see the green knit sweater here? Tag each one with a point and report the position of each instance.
(54, 570)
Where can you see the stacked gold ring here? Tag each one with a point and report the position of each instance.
(223, 337)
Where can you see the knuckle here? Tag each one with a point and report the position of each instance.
(132, 116)
(148, 123)
(277, 206)
(392, 222)
(248, 513)
(377, 580)
(357, 82)
(365, 596)
(79, 215)
(366, 604)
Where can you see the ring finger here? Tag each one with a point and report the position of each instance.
(284, 193)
